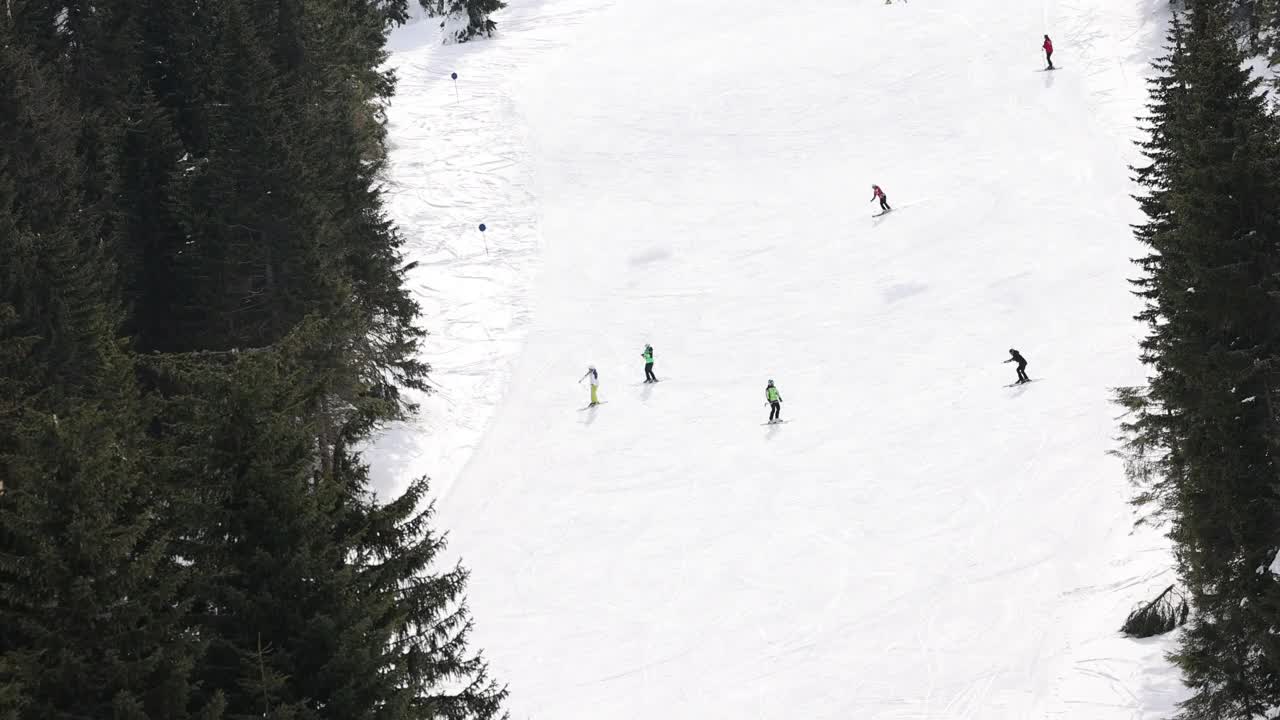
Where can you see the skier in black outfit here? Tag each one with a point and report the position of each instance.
(1015, 356)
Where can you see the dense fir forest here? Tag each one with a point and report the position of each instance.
(202, 315)
(1202, 435)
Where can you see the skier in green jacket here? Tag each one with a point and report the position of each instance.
(649, 377)
(775, 402)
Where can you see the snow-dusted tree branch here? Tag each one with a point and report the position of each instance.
(463, 19)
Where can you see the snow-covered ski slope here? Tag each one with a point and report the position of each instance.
(918, 541)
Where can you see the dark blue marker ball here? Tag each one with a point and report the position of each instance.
(454, 76)
(481, 227)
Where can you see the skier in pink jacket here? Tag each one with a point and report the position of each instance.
(877, 193)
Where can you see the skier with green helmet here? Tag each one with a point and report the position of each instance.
(772, 395)
(649, 377)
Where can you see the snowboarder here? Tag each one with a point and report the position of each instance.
(1048, 52)
(876, 192)
(775, 402)
(649, 377)
(595, 384)
(1015, 356)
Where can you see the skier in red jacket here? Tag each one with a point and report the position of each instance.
(876, 192)
(1048, 52)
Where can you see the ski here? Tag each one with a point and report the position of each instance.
(602, 402)
(773, 422)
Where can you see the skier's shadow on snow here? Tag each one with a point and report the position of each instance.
(591, 415)
(652, 255)
(773, 430)
(646, 391)
(902, 291)
(1017, 389)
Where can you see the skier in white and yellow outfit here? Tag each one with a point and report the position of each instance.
(595, 384)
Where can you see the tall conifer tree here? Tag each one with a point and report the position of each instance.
(1204, 433)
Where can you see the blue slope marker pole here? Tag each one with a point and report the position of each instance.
(455, 86)
(486, 240)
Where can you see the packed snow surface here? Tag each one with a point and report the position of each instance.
(919, 540)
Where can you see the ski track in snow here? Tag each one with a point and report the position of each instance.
(459, 157)
(923, 542)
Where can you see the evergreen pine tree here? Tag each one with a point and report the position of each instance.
(344, 127)
(1204, 432)
(92, 619)
(317, 601)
